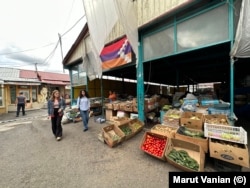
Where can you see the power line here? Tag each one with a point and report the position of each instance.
(59, 40)
(51, 53)
(32, 49)
(46, 60)
(73, 25)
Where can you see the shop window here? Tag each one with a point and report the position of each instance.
(13, 94)
(159, 44)
(79, 75)
(204, 29)
(34, 94)
(1, 96)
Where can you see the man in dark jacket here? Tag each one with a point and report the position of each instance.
(20, 102)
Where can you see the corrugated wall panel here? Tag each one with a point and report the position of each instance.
(147, 10)
(77, 53)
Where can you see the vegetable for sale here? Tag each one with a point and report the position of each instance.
(154, 145)
(182, 158)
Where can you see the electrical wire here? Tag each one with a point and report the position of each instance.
(70, 12)
(73, 26)
(27, 50)
(52, 53)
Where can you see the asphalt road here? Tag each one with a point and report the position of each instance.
(30, 157)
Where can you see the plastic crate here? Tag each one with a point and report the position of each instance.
(219, 111)
(190, 101)
(206, 102)
(227, 133)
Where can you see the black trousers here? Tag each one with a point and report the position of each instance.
(19, 107)
(56, 123)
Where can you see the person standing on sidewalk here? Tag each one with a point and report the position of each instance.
(56, 106)
(20, 103)
(83, 104)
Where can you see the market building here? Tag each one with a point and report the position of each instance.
(174, 44)
(36, 86)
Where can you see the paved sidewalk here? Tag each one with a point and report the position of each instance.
(30, 114)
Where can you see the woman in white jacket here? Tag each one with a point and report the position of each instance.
(83, 104)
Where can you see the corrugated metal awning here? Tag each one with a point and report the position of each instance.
(55, 82)
(23, 83)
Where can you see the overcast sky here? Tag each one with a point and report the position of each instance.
(29, 32)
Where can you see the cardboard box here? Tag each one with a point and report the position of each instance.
(109, 106)
(164, 130)
(116, 105)
(135, 109)
(111, 131)
(203, 142)
(230, 152)
(223, 166)
(127, 129)
(110, 114)
(216, 119)
(137, 125)
(122, 106)
(194, 151)
(134, 101)
(172, 118)
(126, 106)
(193, 120)
(163, 138)
(120, 120)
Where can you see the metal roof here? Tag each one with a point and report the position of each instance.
(11, 74)
(17, 76)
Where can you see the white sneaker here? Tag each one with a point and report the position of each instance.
(90, 113)
(58, 138)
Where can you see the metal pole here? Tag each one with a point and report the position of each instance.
(60, 41)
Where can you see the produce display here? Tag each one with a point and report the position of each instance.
(127, 130)
(226, 132)
(166, 107)
(221, 121)
(113, 135)
(228, 144)
(182, 158)
(172, 117)
(164, 130)
(195, 118)
(154, 145)
(190, 132)
(173, 114)
(136, 125)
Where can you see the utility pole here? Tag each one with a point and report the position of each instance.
(60, 41)
(36, 67)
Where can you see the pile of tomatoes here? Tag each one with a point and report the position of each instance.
(154, 145)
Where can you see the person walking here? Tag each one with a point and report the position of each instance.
(56, 106)
(83, 104)
(20, 103)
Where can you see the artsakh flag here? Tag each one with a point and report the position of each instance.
(116, 54)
